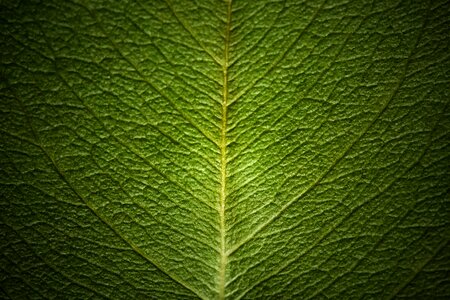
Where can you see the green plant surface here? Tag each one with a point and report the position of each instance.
(225, 150)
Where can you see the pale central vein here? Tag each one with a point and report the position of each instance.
(223, 160)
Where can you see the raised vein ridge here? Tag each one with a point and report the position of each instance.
(223, 160)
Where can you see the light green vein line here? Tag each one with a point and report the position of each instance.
(223, 161)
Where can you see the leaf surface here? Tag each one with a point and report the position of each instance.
(217, 149)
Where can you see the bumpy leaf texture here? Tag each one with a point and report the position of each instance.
(215, 149)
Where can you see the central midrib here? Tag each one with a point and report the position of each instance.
(223, 160)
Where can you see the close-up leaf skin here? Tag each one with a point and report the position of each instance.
(225, 149)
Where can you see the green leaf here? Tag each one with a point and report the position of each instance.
(209, 149)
